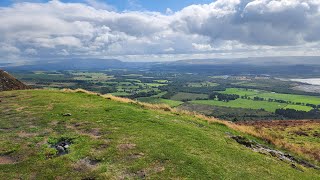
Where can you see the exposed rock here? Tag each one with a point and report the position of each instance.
(67, 114)
(62, 146)
(269, 151)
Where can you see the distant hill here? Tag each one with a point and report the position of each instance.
(8, 82)
(69, 64)
(259, 61)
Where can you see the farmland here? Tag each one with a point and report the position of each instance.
(244, 103)
(273, 95)
(259, 97)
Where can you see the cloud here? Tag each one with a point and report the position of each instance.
(100, 5)
(224, 27)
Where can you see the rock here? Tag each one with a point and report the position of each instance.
(60, 149)
(67, 114)
(244, 141)
(275, 153)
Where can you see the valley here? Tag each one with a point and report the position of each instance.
(230, 97)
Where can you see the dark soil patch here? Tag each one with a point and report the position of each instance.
(7, 160)
(300, 133)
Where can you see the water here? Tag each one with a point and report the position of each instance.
(312, 81)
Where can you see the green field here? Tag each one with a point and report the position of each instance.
(191, 96)
(86, 76)
(113, 140)
(241, 92)
(163, 81)
(298, 107)
(244, 103)
(264, 94)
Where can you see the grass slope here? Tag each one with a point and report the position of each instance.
(154, 100)
(113, 140)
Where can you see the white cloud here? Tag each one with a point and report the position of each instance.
(224, 27)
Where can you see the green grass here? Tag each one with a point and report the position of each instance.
(192, 96)
(131, 140)
(120, 94)
(241, 92)
(155, 84)
(266, 95)
(86, 76)
(244, 103)
(292, 97)
(162, 81)
(298, 107)
(154, 100)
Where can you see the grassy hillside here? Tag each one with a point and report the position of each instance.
(114, 140)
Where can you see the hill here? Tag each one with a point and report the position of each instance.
(8, 82)
(69, 64)
(75, 135)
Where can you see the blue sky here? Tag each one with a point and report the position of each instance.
(121, 5)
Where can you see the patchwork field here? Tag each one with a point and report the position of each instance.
(264, 94)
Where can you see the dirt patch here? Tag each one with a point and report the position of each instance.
(7, 160)
(95, 133)
(85, 164)
(127, 146)
(136, 155)
(24, 134)
(316, 134)
(19, 109)
(300, 133)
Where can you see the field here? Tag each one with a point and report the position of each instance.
(174, 88)
(87, 76)
(273, 95)
(202, 84)
(244, 103)
(116, 140)
(190, 96)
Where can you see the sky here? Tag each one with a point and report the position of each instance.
(157, 30)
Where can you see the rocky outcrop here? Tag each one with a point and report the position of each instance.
(8, 82)
(269, 151)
